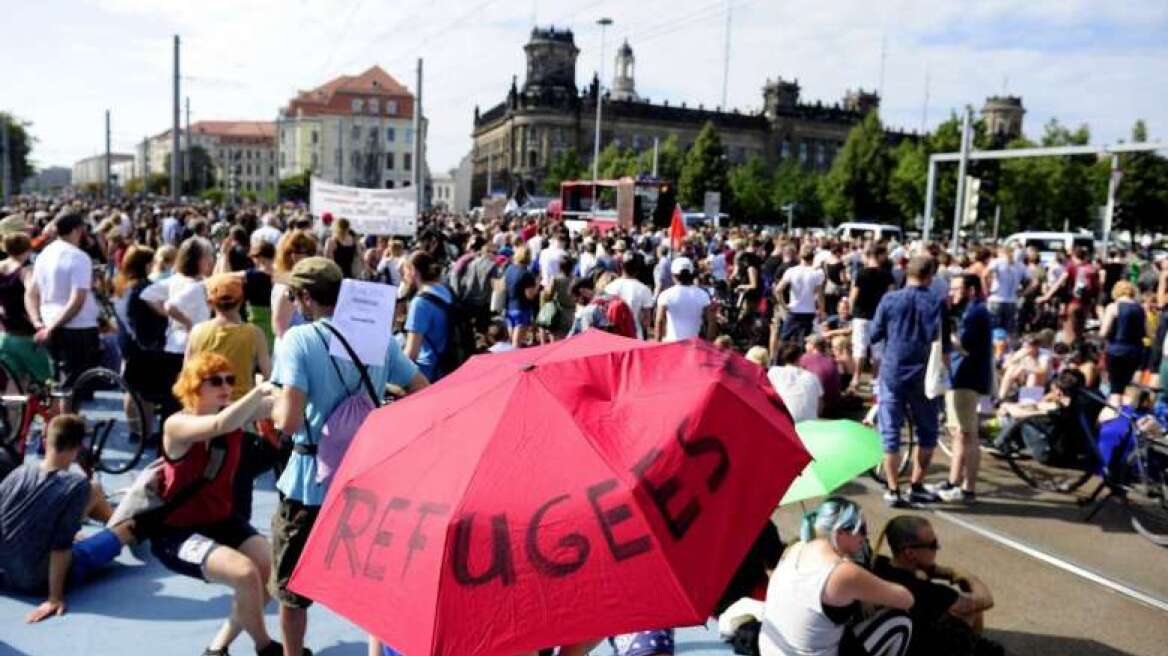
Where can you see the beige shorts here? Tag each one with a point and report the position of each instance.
(961, 410)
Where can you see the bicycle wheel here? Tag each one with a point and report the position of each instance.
(115, 416)
(908, 440)
(10, 383)
(11, 410)
(1147, 496)
(1041, 476)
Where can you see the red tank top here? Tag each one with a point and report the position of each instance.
(213, 503)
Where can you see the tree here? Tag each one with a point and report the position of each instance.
(565, 165)
(296, 187)
(906, 184)
(856, 187)
(750, 188)
(1142, 197)
(1050, 192)
(670, 158)
(795, 185)
(704, 169)
(202, 171)
(616, 162)
(19, 146)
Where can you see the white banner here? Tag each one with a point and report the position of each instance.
(371, 211)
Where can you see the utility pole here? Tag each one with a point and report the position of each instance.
(5, 159)
(997, 220)
(603, 23)
(174, 149)
(419, 150)
(925, 105)
(490, 162)
(109, 183)
(1109, 213)
(145, 166)
(726, 55)
(187, 149)
(959, 202)
(340, 149)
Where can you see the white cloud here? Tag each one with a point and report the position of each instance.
(1082, 61)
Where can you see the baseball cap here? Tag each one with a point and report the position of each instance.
(680, 264)
(224, 289)
(316, 273)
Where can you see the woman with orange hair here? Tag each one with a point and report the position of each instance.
(201, 535)
(293, 247)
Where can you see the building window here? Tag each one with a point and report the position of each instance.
(315, 137)
(374, 105)
(389, 184)
(338, 157)
(315, 163)
(802, 152)
(821, 155)
(532, 159)
(407, 160)
(405, 183)
(389, 161)
(247, 169)
(283, 161)
(391, 107)
(272, 171)
(636, 142)
(373, 134)
(390, 134)
(357, 104)
(356, 132)
(409, 135)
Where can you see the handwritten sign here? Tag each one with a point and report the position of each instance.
(370, 211)
(363, 314)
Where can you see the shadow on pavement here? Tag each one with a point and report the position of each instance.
(8, 650)
(704, 647)
(344, 649)
(136, 591)
(1111, 518)
(1018, 643)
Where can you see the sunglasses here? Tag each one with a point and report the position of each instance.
(218, 381)
(931, 546)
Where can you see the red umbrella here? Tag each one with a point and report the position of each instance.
(595, 486)
(677, 228)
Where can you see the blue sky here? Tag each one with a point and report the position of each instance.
(1100, 63)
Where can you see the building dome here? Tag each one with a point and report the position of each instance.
(624, 85)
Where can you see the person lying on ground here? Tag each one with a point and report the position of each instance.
(42, 506)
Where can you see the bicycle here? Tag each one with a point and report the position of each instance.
(111, 410)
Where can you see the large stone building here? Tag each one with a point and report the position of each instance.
(353, 130)
(92, 170)
(517, 139)
(243, 153)
(1003, 118)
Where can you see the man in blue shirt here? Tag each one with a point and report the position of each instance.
(311, 391)
(908, 321)
(972, 368)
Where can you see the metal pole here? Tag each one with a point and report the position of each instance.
(604, 23)
(419, 178)
(959, 202)
(109, 189)
(1109, 213)
(145, 166)
(5, 159)
(340, 150)
(656, 152)
(174, 148)
(930, 186)
(997, 220)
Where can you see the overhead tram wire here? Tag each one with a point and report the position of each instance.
(354, 7)
(670, 27)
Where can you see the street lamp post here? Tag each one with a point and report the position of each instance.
(603, 23)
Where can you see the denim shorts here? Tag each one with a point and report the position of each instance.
(517, 318)
(184, 550)
(643, 643)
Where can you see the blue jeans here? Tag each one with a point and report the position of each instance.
(93, 553)
(1005, 316)
(890, 415)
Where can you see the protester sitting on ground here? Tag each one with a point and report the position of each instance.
(18, 349)
(311, 377)
(818, 587)
(1023, 368)
(817, 360)
(202, 536)
(948, 603)
(1066, 416)
(799, 389)
(841, 352)
(42, 505)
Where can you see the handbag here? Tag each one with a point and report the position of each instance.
(936, 373)
(547, 314)
(498, 295)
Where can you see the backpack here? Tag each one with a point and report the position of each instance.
(619, 315)
(460, 336)
(348, 415)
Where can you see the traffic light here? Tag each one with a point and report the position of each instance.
(972, 198)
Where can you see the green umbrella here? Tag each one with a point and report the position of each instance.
(840, 450)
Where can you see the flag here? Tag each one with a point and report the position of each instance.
(676, 229)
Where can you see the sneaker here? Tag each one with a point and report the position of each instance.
(918, 494)
(953, 494)
(892, 499)
(938, 488)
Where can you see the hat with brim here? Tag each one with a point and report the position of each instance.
(225, 289)
(13, 224)
(316, 274)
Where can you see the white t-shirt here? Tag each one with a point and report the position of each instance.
(717, 263)
(799, 389)
(804, 282)
(550, 261)
(59, 269)
(1008, 279)
(685, 309)
(636, 295)
(189, 296)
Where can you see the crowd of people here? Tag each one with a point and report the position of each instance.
(219, 320)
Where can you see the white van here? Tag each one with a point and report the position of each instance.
(878, 231)
(1050, 243)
